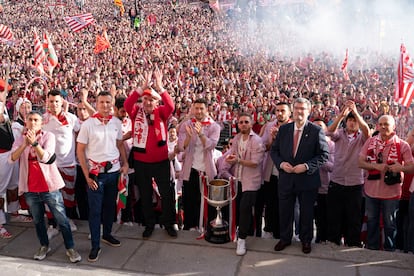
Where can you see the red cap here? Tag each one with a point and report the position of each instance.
(3, 85)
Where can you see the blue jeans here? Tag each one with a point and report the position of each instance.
(388, 208)
(54, 200)
(102, 206)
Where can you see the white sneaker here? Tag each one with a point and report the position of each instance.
(73, 226)
(267, 235)
(296, 238)
(41, 253)
(241, 247)
(51, 232)
(73, 255)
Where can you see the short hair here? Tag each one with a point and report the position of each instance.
(350, 116)
(34, 112)
(201, 101)
(304, 101)
(54, 92)
(104, 93)
(389, 118)
(245, 114)
(282, 103)
(119, 102)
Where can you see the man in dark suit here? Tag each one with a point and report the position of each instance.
(299, 150)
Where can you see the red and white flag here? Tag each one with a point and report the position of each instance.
(5, 33)
(345, 66)
(404, 90)
(80, 21)
(51, 57)
(214, 5)
(39, 54)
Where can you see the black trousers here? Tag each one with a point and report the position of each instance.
(344, 213)
(321, 218)
(81, 195)
(271, 198)
(160, 171)
(191, 200)
(287, 202)
(245, 209)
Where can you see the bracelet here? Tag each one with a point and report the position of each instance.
(35, 144)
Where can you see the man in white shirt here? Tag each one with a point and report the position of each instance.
(63, 125)
(100, 149)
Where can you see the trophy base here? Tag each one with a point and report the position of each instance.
(217, 234)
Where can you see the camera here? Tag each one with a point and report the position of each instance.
(108, 167)
(391, 178)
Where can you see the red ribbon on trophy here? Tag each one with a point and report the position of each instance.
(232, 206)
(202, 225)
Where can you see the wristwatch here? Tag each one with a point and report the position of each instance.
(35, 144)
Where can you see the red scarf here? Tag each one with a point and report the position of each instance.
(62, 119)
(206, 122)
(101, 118)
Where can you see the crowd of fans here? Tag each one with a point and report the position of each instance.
(236, 65)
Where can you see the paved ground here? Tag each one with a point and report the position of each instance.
(186, 255)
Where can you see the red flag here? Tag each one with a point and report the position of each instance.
(345, 66)
(80, 21)
(39, 54)
(404, 91)
(102, 43)
(5, 33)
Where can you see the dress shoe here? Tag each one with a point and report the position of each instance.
(147, 232)
(171, 231)
(306, 247)
(281, 245)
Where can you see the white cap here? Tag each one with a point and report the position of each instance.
(21, 101)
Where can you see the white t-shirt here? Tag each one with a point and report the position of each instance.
(65, 137)
(101, 139)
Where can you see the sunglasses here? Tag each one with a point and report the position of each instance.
(244, 122)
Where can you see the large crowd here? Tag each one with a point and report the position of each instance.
(220, 78)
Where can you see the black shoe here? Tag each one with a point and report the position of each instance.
(147, 232)
(110, 240)
(171, 231)
(306, 247)
(94, 254)
(281, 245)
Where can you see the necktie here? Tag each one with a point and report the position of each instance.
(295, 141)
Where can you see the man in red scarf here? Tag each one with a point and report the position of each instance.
(389, 157)
(100, 149)
(150, 150)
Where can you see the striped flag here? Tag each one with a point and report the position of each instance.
(404, 91)
(39, 54)
(5, 33)
(345, 66)
(102, 43)
(214, 5)
(80, 21)
(51, 57)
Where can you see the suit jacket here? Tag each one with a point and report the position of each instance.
(312, 150)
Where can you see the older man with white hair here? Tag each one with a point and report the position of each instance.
(385, 157)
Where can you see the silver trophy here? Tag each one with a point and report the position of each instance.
(219, 196)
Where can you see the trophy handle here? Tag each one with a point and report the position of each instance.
(233, 181)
